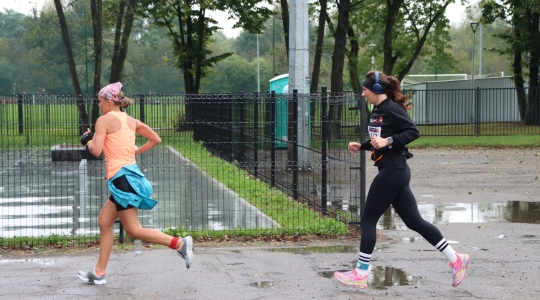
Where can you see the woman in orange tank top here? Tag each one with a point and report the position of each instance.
(115, 135)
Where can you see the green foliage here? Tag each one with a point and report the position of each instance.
(513, 141)
(191, 31)
(293, 217)
(411, 23)
(521, 36)
(235, 74)
(53, 240)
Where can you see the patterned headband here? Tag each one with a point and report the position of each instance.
(111, 91)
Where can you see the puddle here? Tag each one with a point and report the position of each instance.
(380, 278)
(262, 284)
(40, 261)
(511, 211)
(317, 249)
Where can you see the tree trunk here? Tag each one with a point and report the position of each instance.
(352, 55)
(200, 52)
(83, 116)
(96, 7)
(318, 49)
(285, 19)
(518, 72)
(121, 39)
(390, 60)
(534, 65)
(336, 78)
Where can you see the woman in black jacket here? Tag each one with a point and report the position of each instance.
(391, 129)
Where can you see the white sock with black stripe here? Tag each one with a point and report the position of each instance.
(446, 250)
(362, 265)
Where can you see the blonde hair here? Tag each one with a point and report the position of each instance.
(125, 100)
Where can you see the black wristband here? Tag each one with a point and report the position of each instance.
(87, 137)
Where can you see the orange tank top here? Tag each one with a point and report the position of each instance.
(119, 147)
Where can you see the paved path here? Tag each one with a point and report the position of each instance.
(505, 253)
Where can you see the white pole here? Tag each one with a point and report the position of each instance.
(299, 73)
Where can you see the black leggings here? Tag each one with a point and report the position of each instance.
(391, 187)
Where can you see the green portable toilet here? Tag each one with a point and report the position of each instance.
(280, 84)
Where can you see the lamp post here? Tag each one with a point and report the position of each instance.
(474, 26)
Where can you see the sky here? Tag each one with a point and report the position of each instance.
(455, 12)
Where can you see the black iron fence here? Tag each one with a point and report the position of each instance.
(50, 187)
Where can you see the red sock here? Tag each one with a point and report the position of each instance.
(98, 273)
(173, 243)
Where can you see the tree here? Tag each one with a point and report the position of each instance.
(190, 28)
(96, 8)
(285, 19)
(83, 116)
(523, 40)
(319, 47)
(340, 30)
(124, 23)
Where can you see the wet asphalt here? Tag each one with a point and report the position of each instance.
(504, 250)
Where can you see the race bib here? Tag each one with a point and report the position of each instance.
(374, 132)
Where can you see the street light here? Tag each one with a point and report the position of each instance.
(474, 26)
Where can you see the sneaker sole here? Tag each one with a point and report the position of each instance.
(96, 282)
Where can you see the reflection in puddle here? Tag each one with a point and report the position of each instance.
(317, 249)
(381, 278)
(511, 211)
(262, 284)
(41, 261)
(407, 240)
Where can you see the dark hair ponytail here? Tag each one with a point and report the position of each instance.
(393, 90)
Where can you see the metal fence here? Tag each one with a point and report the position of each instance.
(49, 187)
(260, 133)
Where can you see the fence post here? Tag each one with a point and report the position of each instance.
(256, 136)
(230, 121)
(363, 129)
(242, 107)
(273, 138)
(295, 143)
(141, 108)
(478, 114)
(324, 155)
(83, 186)
(20, 112)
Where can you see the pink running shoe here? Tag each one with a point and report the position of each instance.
(352, 278)
(459, 268)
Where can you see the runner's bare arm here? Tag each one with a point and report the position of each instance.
(151, 135)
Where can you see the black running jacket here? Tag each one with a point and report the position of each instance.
(390, 119)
